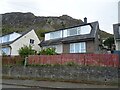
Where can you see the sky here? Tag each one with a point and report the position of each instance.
(103, 11)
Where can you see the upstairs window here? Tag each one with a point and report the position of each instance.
(85, 29)
(57, 34)
(31, 41)
(79, 30)
(72, 31)
(5, 38)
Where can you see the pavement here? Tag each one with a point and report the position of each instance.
(13, 86)
(49, 84)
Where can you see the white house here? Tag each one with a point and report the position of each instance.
(11, 43)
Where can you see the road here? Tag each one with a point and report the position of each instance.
(12, 86)
(10, 83)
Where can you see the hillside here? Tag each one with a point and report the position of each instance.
(19, 22)
(105, 35)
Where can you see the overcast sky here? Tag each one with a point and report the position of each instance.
(104, 11)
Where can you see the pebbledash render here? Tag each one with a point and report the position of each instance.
(84, 38)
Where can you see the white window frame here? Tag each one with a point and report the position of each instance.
(81, 30)
(81, 49)
(47, 36)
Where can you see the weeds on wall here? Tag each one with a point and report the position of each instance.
(57, 64)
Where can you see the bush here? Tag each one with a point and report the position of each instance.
(109, 42)
(48, 51)
(26, 50)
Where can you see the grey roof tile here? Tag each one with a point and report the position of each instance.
(23, 33)
(91, 36)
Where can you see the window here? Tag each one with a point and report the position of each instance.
(78, 47)
(85, 29)
(57, 34)
(79, 30)
(72, 48)
(31, 41)
(83, 47)
(72, 32)
(5, 38)
(6, 50)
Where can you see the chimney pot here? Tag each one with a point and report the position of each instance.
(85, 20)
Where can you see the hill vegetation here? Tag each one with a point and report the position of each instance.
(19, 22)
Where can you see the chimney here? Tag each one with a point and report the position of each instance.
(85, 20)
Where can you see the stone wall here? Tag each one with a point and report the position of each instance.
(66, 73)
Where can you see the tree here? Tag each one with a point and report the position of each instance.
(48, 51)
(26, 50)
(109, 42)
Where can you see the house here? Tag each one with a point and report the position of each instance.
(11, 43)
(83, 38)
(116, 30)
(119, 12)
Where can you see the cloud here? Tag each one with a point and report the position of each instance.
(104, 11)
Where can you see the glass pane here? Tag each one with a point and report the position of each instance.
(83, 47)
(77, 48)
(71, 48)
(54, 35)
(78, 30)
(31, 41)
(65, 33)
(85, 29)
(72, 31)
(6, 38)
(5, 51)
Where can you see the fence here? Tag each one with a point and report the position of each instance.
(12, 60)
(82, 59)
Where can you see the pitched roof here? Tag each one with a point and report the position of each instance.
(116, 30)
(6, 43)
(10, 42)
(91, 36)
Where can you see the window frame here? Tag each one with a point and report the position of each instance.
(74, 46)
(56, 34)
(32, 41)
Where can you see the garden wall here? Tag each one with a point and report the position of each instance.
(85, 74)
